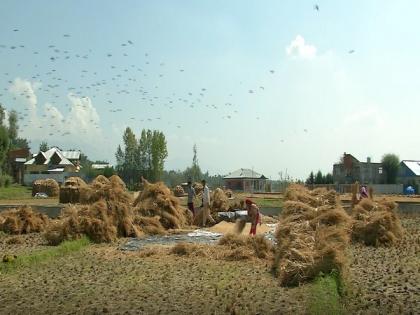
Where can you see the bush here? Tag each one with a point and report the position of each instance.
(5, 180)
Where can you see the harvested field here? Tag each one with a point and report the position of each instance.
(386, 280)
(147, 283)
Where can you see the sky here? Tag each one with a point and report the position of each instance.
(276, 86)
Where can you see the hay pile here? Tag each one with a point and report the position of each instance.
(179, 191)
(312, 236)
(376, 223)
(70, 190)
(156, 200)
(48, 186)
(198, 187)
(219, 201)
(229, 193)
(22, 221)
(108, 212)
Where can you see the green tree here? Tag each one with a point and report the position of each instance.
(13, 126)
(194, 171)
(328, 179)
(2, 114)
(319, 179)
(43, 146)
(311, 179)
(4, 147)
(159, 153)
(391, 164)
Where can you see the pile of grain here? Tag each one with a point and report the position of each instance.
(312, 236)
(22, 221)
(376, 223)
(103, 188)
(70, 190)
(48, 186)
(156, 200)
(179, 191)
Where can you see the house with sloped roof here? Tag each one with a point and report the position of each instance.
(53, 163)
(245, 179)
(409, 173)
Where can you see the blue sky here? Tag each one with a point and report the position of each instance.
(263, 84)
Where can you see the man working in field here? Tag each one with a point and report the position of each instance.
(254, 215)
(206, 202)
(191, 196)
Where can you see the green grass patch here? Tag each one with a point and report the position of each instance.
(324, 295)
(36, 258)
(16, 192)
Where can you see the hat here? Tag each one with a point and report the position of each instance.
(248, 201)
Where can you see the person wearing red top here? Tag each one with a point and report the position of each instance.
(254, 215)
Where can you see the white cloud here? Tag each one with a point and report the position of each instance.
(76, 129)
(298, 48)
(25, 90)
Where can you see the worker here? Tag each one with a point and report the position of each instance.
(206, 203)
(191, 196)
(363, 192)
(254, 215)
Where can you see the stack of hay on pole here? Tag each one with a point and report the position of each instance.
(312, 235)
(70, 190)
(48, 186)
(376, 223)
(22, 221)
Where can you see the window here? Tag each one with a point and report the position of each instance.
(380, 170)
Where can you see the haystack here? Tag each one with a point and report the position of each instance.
(157, 200)
(48, 186)
(116, 181)
(220, 201)
(312, 236)
(103, 188)
(22, 221)
(179, 191)
(242, 247)
(376, 223)
(70, 191)
(102, 221)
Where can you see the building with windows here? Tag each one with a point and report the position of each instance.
(54, 163)
(349, 170)
(409, 173)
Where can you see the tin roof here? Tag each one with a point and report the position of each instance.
(48, 155)
(245, 173)
(414, 166)
(71, 155)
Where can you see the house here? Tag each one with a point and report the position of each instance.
(101, 166)
(409, 173)
(246, 180)
(16, 160)
(350, 170)
(53, 163)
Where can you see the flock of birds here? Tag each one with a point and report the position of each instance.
(105, 86)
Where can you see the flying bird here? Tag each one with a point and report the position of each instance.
(316, 7)
(351, 51)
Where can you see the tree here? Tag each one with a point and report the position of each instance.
(13, 126)
(2, 114)
(43, 146)
(391, 164)
(159, 153)
(194, 172)
(311, 179)
(4, 146)
(328, 179)
(319, 179)
(21, 143)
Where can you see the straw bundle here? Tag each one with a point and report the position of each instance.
(70, 191)
(157, 200)
(48, 186)
(220, 201)
(22, 221)
(376, 223)
(179, 191)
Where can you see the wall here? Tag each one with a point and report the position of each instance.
(28, 179)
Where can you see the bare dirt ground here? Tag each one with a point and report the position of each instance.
(387, 280)
(101, 279)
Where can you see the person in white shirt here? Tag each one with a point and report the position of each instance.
(206, 202)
